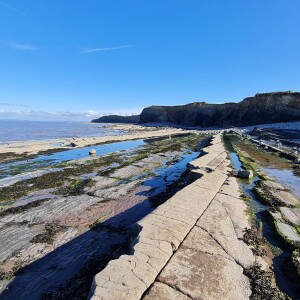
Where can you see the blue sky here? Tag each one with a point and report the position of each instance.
(77, 59)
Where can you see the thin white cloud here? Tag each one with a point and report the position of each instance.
(105, 49)
(63, 115)
(14, 104)
(21, 47)
(13, 8)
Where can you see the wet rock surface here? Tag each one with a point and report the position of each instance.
(276, 194)
(274, 206)
(190, 247)
(57, 238)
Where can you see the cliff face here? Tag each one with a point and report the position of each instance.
(262, 108)
(117, 119)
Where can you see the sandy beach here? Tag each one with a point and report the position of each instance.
(132, 132)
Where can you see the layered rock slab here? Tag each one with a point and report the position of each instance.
(164, 292)
(200, 275)
(191, 241)
(161, 233)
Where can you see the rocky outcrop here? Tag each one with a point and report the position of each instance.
(260, 109)
(190, 247)
(117, 119)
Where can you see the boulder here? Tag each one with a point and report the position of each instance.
(245, 174)
(297, 161)
(92, 152)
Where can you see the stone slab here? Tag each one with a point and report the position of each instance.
(217, 222)
(160, 291)
(204, 276)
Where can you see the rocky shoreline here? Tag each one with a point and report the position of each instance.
(66, 220)
(190, 247)
(131, 132)
(98, 213)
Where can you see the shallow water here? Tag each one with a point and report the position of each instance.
(267, 230)
(42, 161)
(265, 158)
(247, 185)
(166, 175)
(285, 177)
(51, 271)
(15, 130)
(274, 166)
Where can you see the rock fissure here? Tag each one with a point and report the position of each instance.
(179, 259)
(216, 240)
(176, 288)
(172, 218)
(226, 210)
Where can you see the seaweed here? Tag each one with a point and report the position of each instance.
(49, 233)
(22, 208)
(262, 286)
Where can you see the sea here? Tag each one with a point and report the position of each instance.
(16, 130)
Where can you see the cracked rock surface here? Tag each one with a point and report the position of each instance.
(191, 246)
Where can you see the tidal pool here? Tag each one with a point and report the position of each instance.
(276, 167)
(287, 178)
(43, 161)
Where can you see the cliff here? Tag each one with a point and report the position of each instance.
(260, 109)
(117, 119)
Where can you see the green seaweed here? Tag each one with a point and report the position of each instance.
(49, 233)
(54, 179)
(58, 179)
(22, 208)
(75, 188)
(277, 234)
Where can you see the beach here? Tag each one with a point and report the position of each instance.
(67, 215)
(131, 132)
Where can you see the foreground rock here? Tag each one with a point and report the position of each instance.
(275, 194)
(190, 247)
(286, 230)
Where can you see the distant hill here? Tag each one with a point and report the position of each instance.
(117, 119)
(260, 109)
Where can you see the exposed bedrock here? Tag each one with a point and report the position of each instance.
(262, 108)
(191, 246)
(117, 119)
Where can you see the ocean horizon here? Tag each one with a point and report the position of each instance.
(25, 130)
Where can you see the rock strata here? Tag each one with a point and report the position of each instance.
(260, 109)
(190, 247)
(117, 119)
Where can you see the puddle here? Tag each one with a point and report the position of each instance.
(167, 175)
(247, 186)
(285, 177)
(258, 208)
(96, 246)
(263, 157)
(274, 166)
(42, 161)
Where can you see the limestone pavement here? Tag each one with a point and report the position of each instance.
(190, 247)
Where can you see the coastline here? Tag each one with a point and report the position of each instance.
(132, 132)
(100, 198)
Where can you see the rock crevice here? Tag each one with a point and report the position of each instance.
(190, 247)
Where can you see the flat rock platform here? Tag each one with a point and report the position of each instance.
(191, 246)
